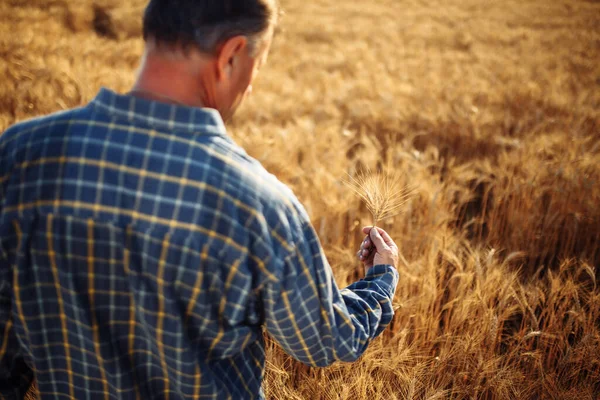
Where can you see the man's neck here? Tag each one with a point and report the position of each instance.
(169, 80)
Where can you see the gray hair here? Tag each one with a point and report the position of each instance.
(206, 24)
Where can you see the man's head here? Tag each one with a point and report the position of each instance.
(205, 52)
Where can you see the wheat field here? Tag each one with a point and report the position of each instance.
(489, 109)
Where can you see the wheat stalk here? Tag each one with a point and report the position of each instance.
(383, 193)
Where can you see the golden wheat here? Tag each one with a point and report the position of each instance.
(383, 193)
(492, 111)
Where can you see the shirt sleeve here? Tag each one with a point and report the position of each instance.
(314, 321)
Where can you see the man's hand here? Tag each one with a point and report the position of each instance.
(377, 248)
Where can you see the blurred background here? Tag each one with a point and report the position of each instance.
(490, 109)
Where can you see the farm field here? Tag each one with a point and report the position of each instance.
(491, 110)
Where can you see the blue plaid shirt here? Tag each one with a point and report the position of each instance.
(142, 252)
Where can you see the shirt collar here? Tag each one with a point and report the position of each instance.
(158, 115)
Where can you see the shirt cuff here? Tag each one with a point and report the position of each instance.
(386, 276)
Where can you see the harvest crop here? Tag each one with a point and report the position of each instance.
(489, 110)
(382, 192)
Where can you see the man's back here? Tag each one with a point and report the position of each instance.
(122, 234)
(142, 251)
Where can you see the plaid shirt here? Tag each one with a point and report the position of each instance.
(142, 252)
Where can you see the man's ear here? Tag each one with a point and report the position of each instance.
(228, 55)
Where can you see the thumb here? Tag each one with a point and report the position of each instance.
(377, 239)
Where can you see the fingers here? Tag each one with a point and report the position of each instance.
(363, 255)
(377, 248)
(366, 257)
(367, 242)
(377, 240)
(365, 249)
(386, 237)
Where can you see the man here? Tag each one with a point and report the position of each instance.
(143, 251)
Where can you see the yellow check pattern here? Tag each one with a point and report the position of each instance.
(142, 252)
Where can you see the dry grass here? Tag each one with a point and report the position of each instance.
(490, 109)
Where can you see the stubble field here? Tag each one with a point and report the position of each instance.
(490, 109)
